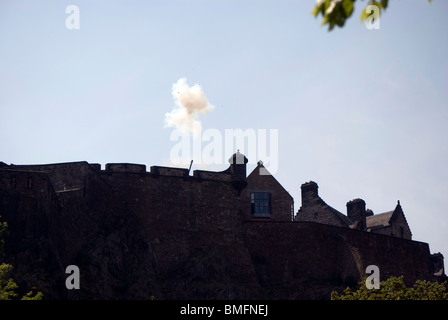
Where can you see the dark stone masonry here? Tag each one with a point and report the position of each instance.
(171, 234)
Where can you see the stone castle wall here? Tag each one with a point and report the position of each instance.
(136, 234)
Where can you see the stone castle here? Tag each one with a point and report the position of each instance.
(173, 234)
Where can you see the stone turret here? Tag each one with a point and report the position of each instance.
(238, 170)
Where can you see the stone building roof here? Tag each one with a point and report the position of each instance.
(342, 218)
(261, 171)
(314, 208)
(394, 220)
(379, 220)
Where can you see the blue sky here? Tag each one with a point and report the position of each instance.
(361, 112)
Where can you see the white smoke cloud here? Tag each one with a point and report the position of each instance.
(190, 103)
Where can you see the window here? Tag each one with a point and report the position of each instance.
(30, 182)
(260, 203)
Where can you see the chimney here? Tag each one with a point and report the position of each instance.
(309, 192)
(356, 212)
(238, 170)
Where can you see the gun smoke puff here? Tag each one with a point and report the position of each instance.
(190, 103)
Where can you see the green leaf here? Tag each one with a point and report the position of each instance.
(363, 15)
(315, 11)
(348, 6)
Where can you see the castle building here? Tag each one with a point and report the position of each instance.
(391, 223)
(174, 234)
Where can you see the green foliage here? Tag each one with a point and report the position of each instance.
(7, 284)
(394, 288)
(336, 12)
(31, 296)
(3, 232)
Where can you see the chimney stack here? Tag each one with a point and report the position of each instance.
(356, 212)
(309, 192)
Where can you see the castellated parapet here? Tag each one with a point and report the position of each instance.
(173, 234)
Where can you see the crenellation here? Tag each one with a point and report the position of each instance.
(210, 175)
(206, 235)
(95, 166)
(169, 171)
(125, 167)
